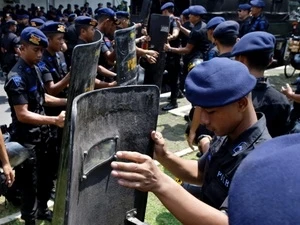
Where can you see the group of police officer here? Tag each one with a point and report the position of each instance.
(234, 110)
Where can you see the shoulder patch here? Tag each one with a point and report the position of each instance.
(17, 80)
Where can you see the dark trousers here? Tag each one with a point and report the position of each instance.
(36, 177)
(173, 68)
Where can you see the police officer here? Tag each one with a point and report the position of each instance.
(71, 37)
(85, 28)
(256, 51)
(123, 19)
(10, 46)
(23, 22)
(294, 126)
(210, 27)
(37, 22)
(30, 128)
(258, 21)
(272, 194)
(207, 87)
(244, 18)
(225, 36)
(172, 59)
(198, 43)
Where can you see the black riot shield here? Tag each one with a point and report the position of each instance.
(120, 118)
(83, 73)
(159, 30)
(145, 12)
(127, 70)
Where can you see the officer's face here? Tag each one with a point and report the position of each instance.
(255, 11)
(222, 120)
(32, 54)
(194, 19)
(89, 34)
(243, 14)
(56, 42)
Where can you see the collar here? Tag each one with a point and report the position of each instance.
(24, 66)
(226, 54)
(249, 136)
(262, 83)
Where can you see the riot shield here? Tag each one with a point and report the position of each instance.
(159, 30)
(145, 12)
(127, 70)
(83, 73)
(120, 118)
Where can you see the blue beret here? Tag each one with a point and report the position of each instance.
(197, 10)
(53, 27)
(36, 22)
(72, 15)
(43, 18)
(218, 82)
(186, 12)
(167, 6)
(266, 186)
(228, 27)
(257, 3)
(34, 36)
(254, 41)
(106, 12)
(85, 20)
(212, 23)
(24, 16)
(122, 14)
(244, 7)
(11, 22)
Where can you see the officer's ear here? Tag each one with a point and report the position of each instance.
(243, 103)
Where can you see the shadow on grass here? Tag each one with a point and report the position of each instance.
(166, 218)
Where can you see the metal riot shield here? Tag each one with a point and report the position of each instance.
(159, 30)
(145, 12)
(120, 118)
(83, 73)
(127, 70)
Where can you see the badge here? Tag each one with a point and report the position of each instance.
(17, 80)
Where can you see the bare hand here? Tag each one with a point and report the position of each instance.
(112, 84)
(150, 59)
(190, 139)
(287, 90)
(141, 173)
(152, 53)
(9, 174)
(178, 22)
(159, 145)
(167, 47)
(60, 120)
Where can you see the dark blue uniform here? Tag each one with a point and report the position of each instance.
(24, 86)
(223, 158)
(10, 41)
(273, 104)
(198, 38)
(173, 65)
(244, 26)
(259, 23)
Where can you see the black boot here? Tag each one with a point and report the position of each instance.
(45, 214)
(30, 222)
(171, 105)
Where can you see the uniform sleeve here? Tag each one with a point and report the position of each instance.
(263, 25)
(104, 48)
(16, 41)
(202, 162)
(16, 90)
(46, 74)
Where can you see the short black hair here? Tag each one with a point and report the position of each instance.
(227, 40)
(258, 59)
(79, 27)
